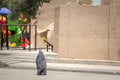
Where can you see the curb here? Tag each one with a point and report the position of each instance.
(71, 67)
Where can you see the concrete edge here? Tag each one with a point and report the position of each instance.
(68, 69)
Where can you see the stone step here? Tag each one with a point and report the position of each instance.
(71, 67)
(16, 56)
(20, 60)
(84, 61)
(26, 53)
(32, 59)
(9, 60)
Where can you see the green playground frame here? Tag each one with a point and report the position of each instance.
(19, 32)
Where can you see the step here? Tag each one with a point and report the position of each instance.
(8, 59)
(24, 58)
(71, 67)
(63, 60)
(26, 53)
(84, 61)
(30, 56)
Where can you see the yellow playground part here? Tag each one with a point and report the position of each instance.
(12, 44)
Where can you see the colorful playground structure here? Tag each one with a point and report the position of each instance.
(17, 34)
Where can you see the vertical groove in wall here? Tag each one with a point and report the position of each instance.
(109, 33)
(58, 29)
(68, 52)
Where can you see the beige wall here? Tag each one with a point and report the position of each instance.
(87, 32)
(114, 33)
(46, 16)
(111, 2)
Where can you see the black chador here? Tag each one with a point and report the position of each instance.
(41, 64)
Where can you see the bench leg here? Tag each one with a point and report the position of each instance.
(47, 48)
(52, 47)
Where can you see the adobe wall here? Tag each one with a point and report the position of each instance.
(110, 2)
(46, 16)
(87, 32)
(114, 33)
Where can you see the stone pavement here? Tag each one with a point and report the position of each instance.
(22, 59)
(23, 74)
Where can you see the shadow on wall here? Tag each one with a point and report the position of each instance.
(119, 53)
(47, 33)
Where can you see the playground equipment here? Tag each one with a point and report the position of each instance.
(15, 31)
(17, 34)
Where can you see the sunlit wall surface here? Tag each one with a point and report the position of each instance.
(96, 2)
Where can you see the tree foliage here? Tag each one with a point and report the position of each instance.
(27, 7)
(30, 7)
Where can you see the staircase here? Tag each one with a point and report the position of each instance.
(13, 57)
(24, 59)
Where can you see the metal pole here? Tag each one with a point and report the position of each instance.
(35, 36)
(7, 43)
(30, 37)
(1, 36)
(23, 37)
(52, 47)
(47, 47)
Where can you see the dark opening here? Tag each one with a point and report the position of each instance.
(13, 32)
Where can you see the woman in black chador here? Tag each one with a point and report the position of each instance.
(41, 64)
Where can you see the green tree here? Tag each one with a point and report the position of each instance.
(30, 7)
(27, 7)
(3, 3)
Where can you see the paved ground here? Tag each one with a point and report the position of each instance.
(17, 74)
